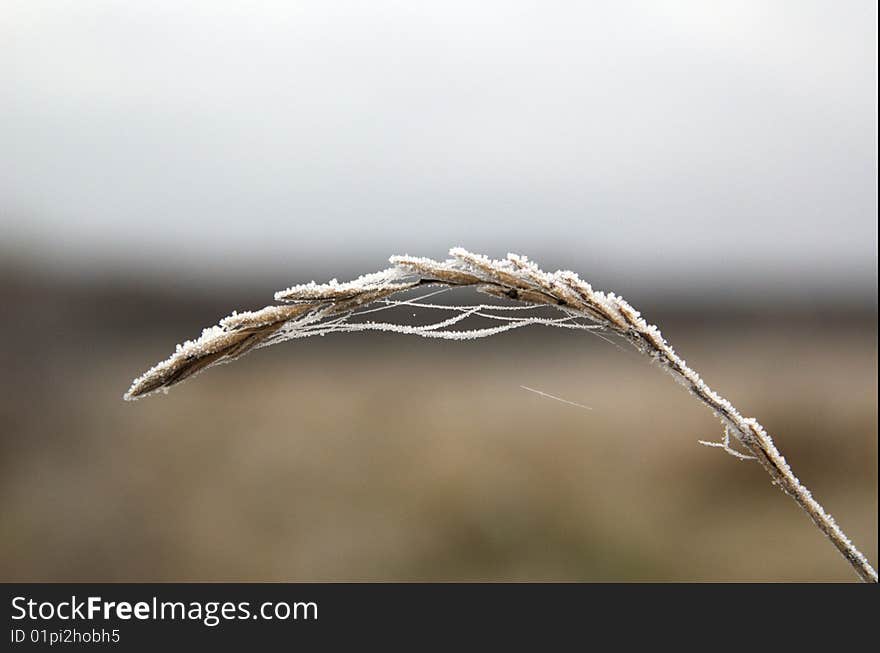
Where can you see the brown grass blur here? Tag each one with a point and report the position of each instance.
(386, 457)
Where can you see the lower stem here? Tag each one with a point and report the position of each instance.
(768, 455)
(753, 436)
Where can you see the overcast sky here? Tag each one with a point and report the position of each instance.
(663, 142)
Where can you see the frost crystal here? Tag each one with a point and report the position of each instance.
(321, 309)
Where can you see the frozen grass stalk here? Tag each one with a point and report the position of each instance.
(316, 309)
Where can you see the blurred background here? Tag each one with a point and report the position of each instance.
(164, 163)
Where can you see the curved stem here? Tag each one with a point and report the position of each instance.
(753, 436)
(515, 278)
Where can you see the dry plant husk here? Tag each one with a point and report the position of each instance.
(311, 309)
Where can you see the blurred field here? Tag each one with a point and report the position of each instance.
(392, 458)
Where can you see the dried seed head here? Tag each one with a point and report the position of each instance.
(431, 270)
(515, 278)
(393, 279)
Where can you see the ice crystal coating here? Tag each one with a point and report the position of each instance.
(334, 307)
